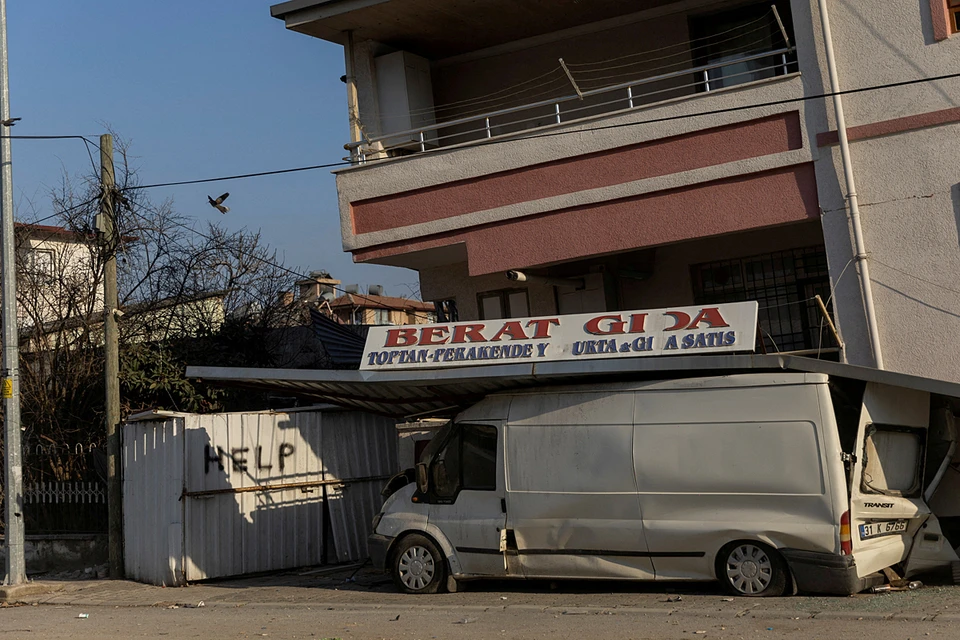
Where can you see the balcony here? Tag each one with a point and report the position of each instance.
(431, 74)
(579, 104)
(581, 172)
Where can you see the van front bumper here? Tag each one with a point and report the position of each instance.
(378, 546)
(827, 573)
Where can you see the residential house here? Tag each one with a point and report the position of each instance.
(645, 153)
(346, 305)
(373, 309)
(57, 276)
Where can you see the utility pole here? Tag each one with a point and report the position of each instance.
(106, 224)
(10, 388)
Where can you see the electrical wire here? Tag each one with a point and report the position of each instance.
(522, 138)
(281, 267)
(86, 143)
(64, 211)
(556, 85)
(687, 54)
(584, 68)
(745, 49)
(493, 96)
(238, 177)
(675, 45)
(490, 109)
(712, 112)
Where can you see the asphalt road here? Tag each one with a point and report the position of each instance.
(422, 622)
(352, 603)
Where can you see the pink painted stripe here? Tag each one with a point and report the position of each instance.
(774, 198)
(888, 127)
(708, 147)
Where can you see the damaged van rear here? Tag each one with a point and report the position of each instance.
(771, 483)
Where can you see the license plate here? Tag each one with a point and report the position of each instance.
(877, 529)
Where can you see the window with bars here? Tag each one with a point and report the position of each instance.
(784, 284)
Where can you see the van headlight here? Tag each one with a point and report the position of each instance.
(376, 521)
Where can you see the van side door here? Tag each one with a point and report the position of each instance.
(571, 489)
(466, 498)
(886, 503)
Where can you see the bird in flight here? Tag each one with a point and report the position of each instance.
(218, 203)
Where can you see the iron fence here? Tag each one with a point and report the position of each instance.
(64, 489)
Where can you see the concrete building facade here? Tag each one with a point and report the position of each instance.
(642, 153)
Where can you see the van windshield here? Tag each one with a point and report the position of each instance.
(436, 443)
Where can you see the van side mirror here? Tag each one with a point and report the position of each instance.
(422, 477)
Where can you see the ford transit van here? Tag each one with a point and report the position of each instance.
(768, 482)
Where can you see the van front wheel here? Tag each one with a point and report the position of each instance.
(751, 569)
(418, 566)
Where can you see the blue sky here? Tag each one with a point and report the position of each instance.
(201, 88)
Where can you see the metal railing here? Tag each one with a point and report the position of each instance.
(619, 97)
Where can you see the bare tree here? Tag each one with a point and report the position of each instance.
(190, 293)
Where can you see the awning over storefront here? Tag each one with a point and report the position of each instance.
(410, 394)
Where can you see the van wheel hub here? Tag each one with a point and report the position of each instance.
(416, 568)
(749, 569)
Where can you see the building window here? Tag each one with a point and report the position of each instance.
(381, 316)
(784, 284)
(954, 10)
(40, 262)
(726, 36)
(506, 303)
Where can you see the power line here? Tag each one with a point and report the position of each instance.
(238, 177)
(277, 265)
(65, 211)
(712, 112)
(551, 134)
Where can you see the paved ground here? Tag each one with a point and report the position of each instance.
(364, 605)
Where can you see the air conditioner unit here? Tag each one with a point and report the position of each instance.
(405, 95)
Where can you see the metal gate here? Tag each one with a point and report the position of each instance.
(257, 491)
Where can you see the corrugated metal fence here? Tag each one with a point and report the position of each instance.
(217, 495)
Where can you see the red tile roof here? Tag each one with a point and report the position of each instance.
(381, 302)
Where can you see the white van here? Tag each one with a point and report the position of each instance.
(768, 482)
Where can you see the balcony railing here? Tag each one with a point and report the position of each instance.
(634, 94)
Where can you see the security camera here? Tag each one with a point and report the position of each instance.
(516, 276)
(520, 276)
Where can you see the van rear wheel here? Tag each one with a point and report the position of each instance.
(751, 569)
(418, 566)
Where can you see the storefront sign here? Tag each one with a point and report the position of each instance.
(624, 334)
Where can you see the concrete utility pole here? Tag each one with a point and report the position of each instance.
(106, 224)
(10, 389)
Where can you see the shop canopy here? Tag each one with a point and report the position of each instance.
(424, 393)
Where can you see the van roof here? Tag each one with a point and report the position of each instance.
(416, 393)
(713, 382)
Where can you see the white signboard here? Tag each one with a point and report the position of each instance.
(623, 334)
